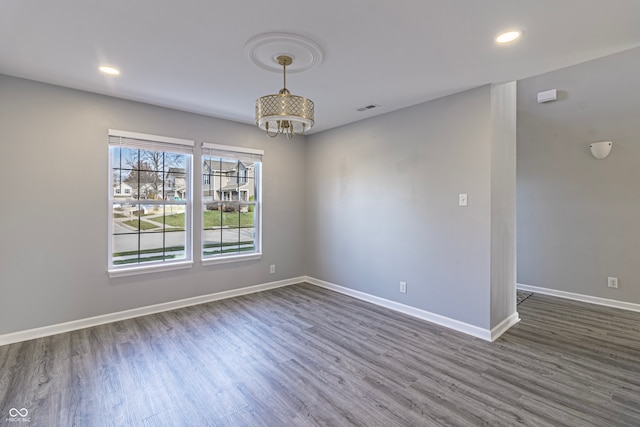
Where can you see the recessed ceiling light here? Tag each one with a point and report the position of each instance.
(508, 36)
(109, 70)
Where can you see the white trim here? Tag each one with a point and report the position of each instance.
(223, 259)
(466, 328)
(145, 269)
(580, 297)
(149, 137)
(233, 148)
(503, 326)
(73, 325)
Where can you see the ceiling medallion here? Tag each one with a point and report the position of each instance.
(284, 113)
(263, 51)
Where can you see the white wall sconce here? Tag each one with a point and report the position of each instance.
(601, 150)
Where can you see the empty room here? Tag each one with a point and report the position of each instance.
(320, 213)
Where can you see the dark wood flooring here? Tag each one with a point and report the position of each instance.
(305, 356)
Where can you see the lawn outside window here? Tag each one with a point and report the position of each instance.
(150, 203)
(231, 203)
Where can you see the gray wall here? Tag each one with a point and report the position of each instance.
(578, 217)
(382, 206)
(53, 222)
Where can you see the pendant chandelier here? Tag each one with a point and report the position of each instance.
(284, 114)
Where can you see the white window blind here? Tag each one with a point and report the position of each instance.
(145, 141)
(239, 153)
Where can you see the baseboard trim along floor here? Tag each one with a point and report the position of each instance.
(580, 297)
(466, 328)
(73, 325)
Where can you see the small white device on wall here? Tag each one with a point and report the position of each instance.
(601, 150)
(547, 96)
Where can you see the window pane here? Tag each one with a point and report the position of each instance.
(125, 218)
(116, 157)
(129, 158)
(152, 161)
(175, 242)
(125, 248)
(208, 190)
(212, 235)
(134, 218)
(230, 248)
(247, 215)
(230, 240)
(173, 162)
(230, 215)
(212, 216)
(174, 217)
(247, 239)
(137, 174)
(116, 179)
(212, 242)
(175, 184)
(162, 246)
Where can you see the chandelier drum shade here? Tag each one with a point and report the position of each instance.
(284, 113)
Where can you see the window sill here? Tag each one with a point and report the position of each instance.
(232, 258)
(133, 271)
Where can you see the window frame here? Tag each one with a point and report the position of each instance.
(160, 144)
(238, 154)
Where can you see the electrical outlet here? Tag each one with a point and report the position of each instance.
(403, 287)
(612, 282)
(272, 269)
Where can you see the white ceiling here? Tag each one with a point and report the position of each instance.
(189, 54)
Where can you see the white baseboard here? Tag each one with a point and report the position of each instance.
(485, 334)
(475, 331)
(503, 326)
(137, 312)
(579, 297)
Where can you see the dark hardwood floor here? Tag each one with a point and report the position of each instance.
(305, 356)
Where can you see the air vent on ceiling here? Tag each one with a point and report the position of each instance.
(368, 107)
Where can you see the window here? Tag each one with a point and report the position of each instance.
(231, 209)
(242, 176)
(150, 227)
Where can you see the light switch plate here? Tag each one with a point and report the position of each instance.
(462, 200)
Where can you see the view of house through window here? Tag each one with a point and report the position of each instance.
(150, 199)
(230, 201)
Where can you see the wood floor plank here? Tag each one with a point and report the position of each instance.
(305, 356)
